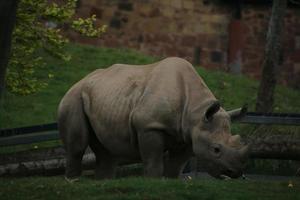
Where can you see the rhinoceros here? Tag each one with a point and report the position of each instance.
(160, 114)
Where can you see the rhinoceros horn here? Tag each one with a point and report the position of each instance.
(244, 152)
(238, 113)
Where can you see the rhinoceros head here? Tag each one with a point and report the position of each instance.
(221, 153)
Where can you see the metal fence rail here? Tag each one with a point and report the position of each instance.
(51, 161)
(271, 118)
(47, 132)
(29, 138)
(28, 130)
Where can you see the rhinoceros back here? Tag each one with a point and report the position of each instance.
(109, 98)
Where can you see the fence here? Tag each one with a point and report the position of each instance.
(53, 159)
(47, 132)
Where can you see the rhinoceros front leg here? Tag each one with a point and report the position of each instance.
(151, 146)
(105, 167)
(175, 162)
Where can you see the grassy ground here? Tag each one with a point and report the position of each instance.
(141, 188)
(32, 146)
(17, 111)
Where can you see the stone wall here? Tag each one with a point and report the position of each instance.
(256, 19)
(193, 29)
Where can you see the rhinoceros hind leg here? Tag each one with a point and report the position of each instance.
(75, 149)
(105, 164)
(151, 146)
(74, 134)
(73, 166)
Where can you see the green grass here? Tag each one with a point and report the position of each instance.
(235, 90)
(142, 188)
(17, 111)
(24, 147)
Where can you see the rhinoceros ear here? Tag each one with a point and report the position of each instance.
(238, 113)
(212, 109)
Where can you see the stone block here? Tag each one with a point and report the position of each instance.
(295, 56)
(218, 27)
(170, 51)
(125, 5)
(216, 57)
(154, 12)
(211, 41)
(108, 13)
(188, 4)
(197, 55)
(166, 3)
(168, 11)
(165, 38)
(96, 11)
(149, 38)
(199, 28)
(89, 3)
(296, 68)
(188, 40)
(144, 10)
(84, 11)
(115, 22)
(297, 42)
(177, 4)
(213, 24)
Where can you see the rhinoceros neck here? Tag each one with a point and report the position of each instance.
(198, 98)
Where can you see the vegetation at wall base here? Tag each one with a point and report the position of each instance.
(32, 146)
(17, 111)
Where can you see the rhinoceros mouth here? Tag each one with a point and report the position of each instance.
(229, 174)
(224, 177)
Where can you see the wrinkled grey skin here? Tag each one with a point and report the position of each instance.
(161, 114)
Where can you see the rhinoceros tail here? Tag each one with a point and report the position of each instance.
(94, 142)
(133, 131)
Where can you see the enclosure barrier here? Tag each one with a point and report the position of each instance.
(52, 160)
(46, 132)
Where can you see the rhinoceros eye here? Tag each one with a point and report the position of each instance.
(216, 149)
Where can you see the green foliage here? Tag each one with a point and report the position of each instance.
(38, 26)
(85, 27)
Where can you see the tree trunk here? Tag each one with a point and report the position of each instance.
(49, 167)
(282, 147)
(265, 97)
(8, 10)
